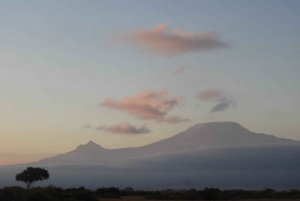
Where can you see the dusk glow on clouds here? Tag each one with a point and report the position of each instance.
(159, 40)
(209, 94)
(149, 105)
(224, 102)
(124, 128)
(96, 62)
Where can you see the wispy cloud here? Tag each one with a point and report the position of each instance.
(148, 105)
(181, 69)
(174, 120)
(159, 40)
(222, 99)
(209, 94)
(223, 106)
(123, 128)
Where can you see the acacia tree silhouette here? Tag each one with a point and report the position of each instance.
(31, 175)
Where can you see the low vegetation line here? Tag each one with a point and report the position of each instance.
(53, 193)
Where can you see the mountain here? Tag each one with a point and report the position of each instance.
(200, 136)
(217, 154)
(211, 135)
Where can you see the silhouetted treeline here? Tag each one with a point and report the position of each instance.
(217, 194)
(111, 192)
(52, 193)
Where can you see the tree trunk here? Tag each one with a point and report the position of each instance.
(28, 185)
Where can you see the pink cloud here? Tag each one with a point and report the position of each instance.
(148, 105)
(124, 128)
(159, 40)
(209, 94)
(145, 105)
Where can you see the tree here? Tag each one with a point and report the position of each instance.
(129, 189)
(31, 175)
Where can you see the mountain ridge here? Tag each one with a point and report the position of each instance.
(204, 135)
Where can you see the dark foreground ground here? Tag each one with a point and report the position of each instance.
(140, 198)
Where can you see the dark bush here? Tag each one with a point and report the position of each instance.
(11, 193)
(111, 192)
(85, 196)
(39, 196)
(80, 194)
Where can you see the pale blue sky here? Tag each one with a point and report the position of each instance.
(59, 60)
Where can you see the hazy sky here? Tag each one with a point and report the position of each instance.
(128, 73)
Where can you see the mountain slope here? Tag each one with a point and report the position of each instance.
(207, 135)
(252, 166)
(214, 134)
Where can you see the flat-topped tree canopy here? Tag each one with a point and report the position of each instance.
(31, 175)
